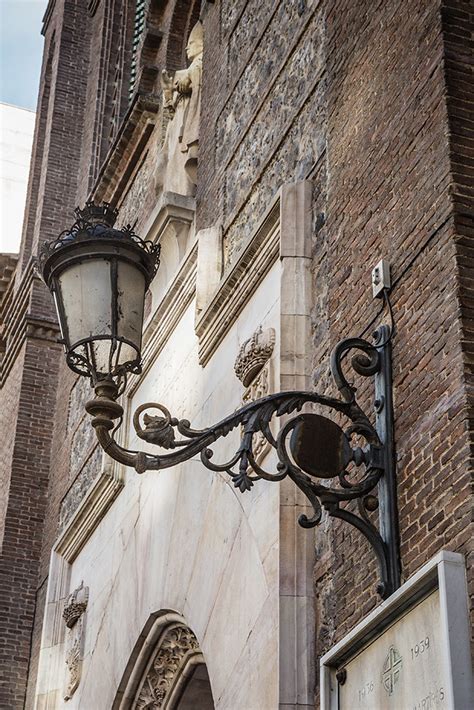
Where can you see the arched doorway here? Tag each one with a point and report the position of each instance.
(166, 670)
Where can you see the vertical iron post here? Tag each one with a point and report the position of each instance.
(387, 486)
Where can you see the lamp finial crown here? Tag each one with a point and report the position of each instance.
(97, 214)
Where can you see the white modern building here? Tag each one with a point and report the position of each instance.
(16, 139)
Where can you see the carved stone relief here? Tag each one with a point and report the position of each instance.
(176, 169)
(73, 615)
(253, 368)
(174, 649)
(253, 355)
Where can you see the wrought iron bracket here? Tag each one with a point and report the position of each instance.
(349, 482)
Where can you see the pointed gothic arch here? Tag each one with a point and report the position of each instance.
(166, 670)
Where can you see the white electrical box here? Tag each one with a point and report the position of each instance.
(381, 278)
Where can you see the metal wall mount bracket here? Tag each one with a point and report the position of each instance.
(349, 482)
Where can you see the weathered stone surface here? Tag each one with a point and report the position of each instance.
(138, 193)
(80, 486)
(302, 146)
(261, 69)
(230, 12)
(247, 30)
(287, 95)
(82, 442)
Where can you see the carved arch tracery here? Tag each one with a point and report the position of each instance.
(176, 647)
(162, 666)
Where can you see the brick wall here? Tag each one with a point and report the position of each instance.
(10, 395)
(59, 126)
(458, 27)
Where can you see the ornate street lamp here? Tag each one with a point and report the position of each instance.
(98, 276)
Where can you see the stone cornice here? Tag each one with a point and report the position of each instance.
(92, 6)
(90, 512)
(129, 145)
(8, 264)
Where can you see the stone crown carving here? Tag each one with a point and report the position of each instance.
(76, 605)
(253, 355)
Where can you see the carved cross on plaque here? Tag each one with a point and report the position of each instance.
(391, 670)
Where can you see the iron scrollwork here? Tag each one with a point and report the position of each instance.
(309, 447)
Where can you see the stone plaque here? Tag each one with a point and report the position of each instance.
(410, 653)
(402, 669)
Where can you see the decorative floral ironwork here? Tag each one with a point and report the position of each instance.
(255, 419)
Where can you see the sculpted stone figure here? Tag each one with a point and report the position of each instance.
(177, 165)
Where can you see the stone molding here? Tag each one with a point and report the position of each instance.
(172, 211)
(260, 386)
(253, 355)
(170, 225)
(90, 511)
(92, 6)
(284, 232)
(53, 639)
(8, 264)
(76, 605)
(59, 643)
(48, 13)
(167, 315)
(16, 324)
(169, 658)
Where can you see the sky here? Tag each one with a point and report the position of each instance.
(21, 50)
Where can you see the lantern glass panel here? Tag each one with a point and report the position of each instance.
(86, 294)
(131, 288)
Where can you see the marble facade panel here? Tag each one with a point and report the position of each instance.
(217, 539)
(192, 501)
(237, 607)
(261, 684)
